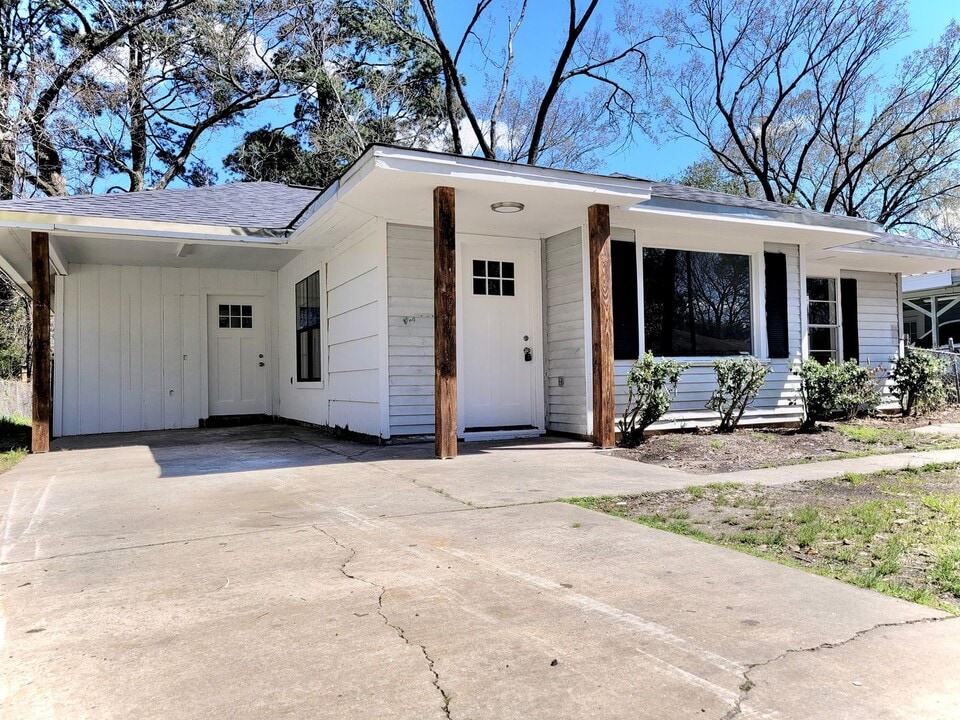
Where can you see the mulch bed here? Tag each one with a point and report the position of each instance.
(705, 451)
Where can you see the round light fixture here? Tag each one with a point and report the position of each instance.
(507, 207)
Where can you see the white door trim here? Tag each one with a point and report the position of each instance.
(268, 310)
(536, 312)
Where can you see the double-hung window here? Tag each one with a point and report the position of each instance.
(308, 329)
(823, 319)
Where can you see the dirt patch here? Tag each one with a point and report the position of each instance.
(705, 451)
(895, 532)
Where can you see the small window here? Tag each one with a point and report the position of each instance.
(236, 316)
(493, 277)
(309, 350)
(823, 319)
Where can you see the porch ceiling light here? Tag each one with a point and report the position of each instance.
(507, 206)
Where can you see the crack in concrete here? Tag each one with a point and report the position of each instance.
(401, 633)
(374, 464)
(747, 685)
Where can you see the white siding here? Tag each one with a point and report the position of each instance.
(878, 313)
(878, 321)
(349, 395)
(410, 323)
(132, 342)
(777, 401)
(564, 333)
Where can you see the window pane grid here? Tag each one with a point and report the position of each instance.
(235, 316)
(494, 277)
(823, 319)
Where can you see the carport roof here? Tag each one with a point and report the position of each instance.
(264, 205)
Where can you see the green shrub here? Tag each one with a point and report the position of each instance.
(918, 382)
(652, 385)
(738, 382)
(836, 390)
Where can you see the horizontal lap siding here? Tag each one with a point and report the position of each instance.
(132, 336)
(778, 400)
(410, 323)
(353, 335)
(878, 321)
(565, 333)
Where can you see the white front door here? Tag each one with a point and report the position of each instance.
(236, 352)
(501, 355)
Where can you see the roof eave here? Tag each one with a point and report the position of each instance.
(86, 224)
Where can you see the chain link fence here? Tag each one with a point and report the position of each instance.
(951, 373)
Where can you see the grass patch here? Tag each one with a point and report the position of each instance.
(14, 441)
(896, 532)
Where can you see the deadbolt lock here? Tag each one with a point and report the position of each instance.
(527, 354)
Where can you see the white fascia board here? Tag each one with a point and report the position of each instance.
(949, 253)
(470, 168)
(850, 236)
(85, 225)
(335, 193)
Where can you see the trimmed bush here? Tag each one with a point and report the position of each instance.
(738, 382)
(918, 382)
(836, 391)
(652, 386)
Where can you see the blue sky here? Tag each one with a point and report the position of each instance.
(536, 47)
(542, 33)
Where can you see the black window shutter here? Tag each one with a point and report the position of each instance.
(626, 324)
(775, 273)
(848, 316)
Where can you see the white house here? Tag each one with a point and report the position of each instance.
(425, 291)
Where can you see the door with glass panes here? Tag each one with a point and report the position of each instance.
(236, 355)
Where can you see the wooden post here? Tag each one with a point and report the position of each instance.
(601, 305)
(445, 320)
(42, 395)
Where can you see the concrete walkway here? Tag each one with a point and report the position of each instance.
(272, 572)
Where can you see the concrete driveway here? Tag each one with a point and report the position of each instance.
(272, 572)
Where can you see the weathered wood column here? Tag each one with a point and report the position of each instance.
(445, 320)
(42, 396)
(601, 305)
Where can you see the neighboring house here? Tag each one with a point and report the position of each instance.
(173, 307)
(931, 309)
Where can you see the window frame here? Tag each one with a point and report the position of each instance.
(298, 380)
(754, 254)
(837, 327)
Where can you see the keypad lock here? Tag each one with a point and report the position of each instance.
(527, 354)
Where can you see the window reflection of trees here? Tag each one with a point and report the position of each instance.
(696, 303)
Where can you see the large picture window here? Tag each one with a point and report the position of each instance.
(696, 303)
(308, 329)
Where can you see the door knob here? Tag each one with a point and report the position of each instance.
(261, 364)
(527, 354)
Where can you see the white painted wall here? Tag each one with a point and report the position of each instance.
(410, 325)
(352, 280)
(567, 350)
(132, 342)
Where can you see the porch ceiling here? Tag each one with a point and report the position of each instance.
(74, 248)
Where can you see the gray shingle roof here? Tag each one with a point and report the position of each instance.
(664, 193)
(248, 205)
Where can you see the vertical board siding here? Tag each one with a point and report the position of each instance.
(778, 400)
(132, 339)
(410, 328)
(566, 348)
